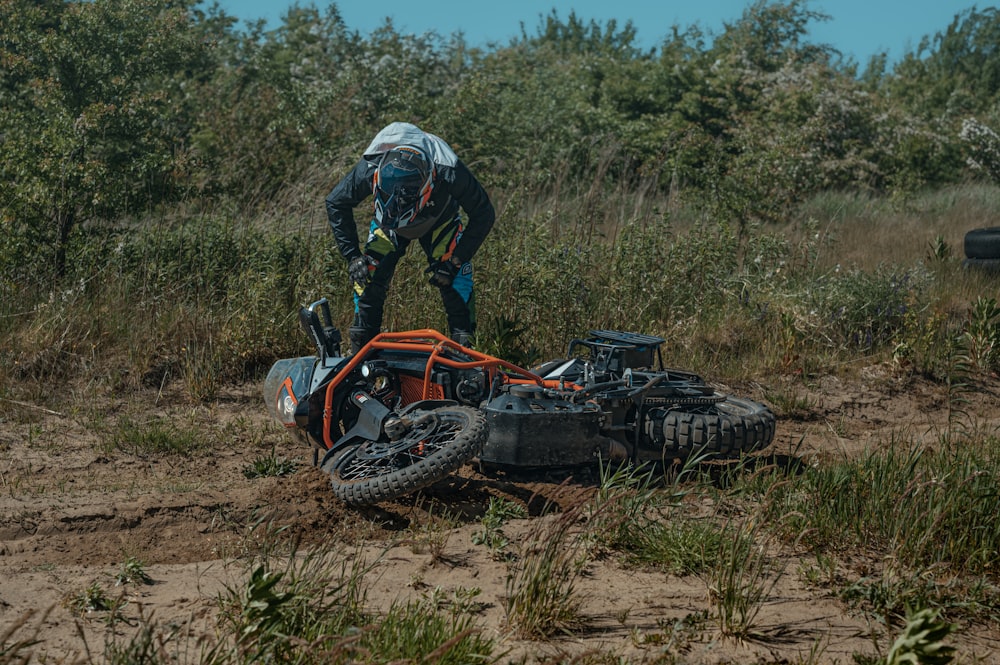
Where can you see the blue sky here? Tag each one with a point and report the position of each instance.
(859, 28)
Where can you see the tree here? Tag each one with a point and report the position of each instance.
(91, 127)
(957, 72)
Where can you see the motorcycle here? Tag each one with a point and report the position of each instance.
(412, 407)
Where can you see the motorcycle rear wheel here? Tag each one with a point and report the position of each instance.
(379, 471)
(728, 427)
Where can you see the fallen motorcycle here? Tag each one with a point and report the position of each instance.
(412, 407)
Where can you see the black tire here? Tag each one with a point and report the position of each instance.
(990, 266)
(379, 471)
(983, 243)
(728, 427)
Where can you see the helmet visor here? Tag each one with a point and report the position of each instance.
(402, 188)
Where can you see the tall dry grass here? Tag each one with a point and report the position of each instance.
(208, 297)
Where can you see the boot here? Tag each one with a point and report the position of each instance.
(359, 337)
(462, 337)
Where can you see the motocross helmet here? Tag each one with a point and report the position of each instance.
(403, 183)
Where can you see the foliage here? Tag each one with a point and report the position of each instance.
(161, 220)
(983, 146)
(162, 158)
(927, 507)
(204, 302)
(90, 128)
(115, 106)
(498, 512)
(155, 437)
(542, 597)
(132, 571)
(981, 337)
(267, 466)
(865, 311)
(922, 640)
(956, 71)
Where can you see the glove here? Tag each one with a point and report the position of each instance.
(443, 273)
(357, 268)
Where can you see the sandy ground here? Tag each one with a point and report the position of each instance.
(73, 510)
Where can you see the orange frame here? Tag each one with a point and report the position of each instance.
(422, 341)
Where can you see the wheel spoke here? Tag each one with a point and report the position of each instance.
(376, 458)
(440, 442)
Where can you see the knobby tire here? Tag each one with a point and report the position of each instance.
(361, 478)
(729, 427)
(983, 243)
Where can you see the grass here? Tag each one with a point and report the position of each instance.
(132, 571)
(430, 532)
(641, 515)
(309, 607)
(19, 638)
(740, 576)
(499, 511)
(848, 281)
(922, 640)
(94, 600)
(541, 593)
(867, 230)
(219, 297)
(269, 466)
(311, 602)
(156, 436)
(786, 402)
(680, 546)
(148, 645)
(923, 506)
(420, 631)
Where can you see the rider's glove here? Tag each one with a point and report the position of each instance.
(357, 268)
(443, 273)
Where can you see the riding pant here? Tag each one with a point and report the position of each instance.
(383, 250)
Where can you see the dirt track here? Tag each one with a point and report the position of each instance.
(72, 511)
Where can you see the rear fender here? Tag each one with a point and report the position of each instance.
(369, 426)
(371, 420)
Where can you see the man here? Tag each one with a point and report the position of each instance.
(419, 184)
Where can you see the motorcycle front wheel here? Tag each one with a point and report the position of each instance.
(440, 441)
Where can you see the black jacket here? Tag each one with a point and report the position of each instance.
(454, 186)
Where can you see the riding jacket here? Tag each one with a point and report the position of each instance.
(454, 186)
